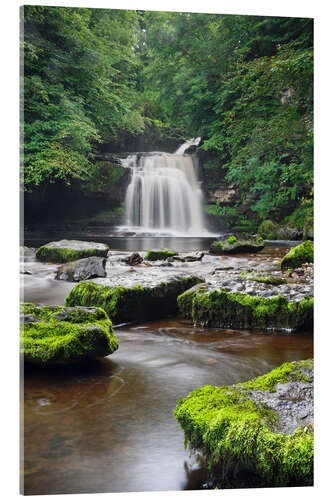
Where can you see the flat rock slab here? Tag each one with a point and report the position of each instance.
(64, 335)
(135, 304)
(223, 309)
(262, 428)
(70, 250)
(83, 269)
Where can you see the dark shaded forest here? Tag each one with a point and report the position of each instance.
(99, 80)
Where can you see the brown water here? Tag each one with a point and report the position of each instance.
(109, 426)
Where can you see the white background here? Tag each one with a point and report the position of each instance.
(9, 199)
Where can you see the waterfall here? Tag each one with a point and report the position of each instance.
(164, 194)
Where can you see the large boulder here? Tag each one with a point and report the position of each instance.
(234, 245)
(297, 256)
(70, 250)
(135, 304)
(256, 433)
(270, 230)
(83, 269)
(64, 335)
(222, 309)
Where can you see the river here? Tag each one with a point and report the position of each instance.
(108, 426)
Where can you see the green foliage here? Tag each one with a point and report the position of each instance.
(217, 210)
(235, 433)
(242, 83)
(79, 87)
(231, 240)
(57, 335)
(298, 255)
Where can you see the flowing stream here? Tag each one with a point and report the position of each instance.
(164, 193)
(108, 426)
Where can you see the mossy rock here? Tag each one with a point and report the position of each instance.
(159, 254)
(133, 304)
(272, 231)
(222, 309)
(297, 256)
(267, 278)
(64, 335)
(233, 245)
(308, 232)
(70, 250)
(236, 431)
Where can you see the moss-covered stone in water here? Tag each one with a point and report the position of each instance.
(223, 309)
(234, 245)
(62, 335)
(159, 254)
(297, 256)
(70, 250)
(236, 434)
(132, 304)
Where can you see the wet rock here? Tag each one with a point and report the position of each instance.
(190, 257)
(63, 335)
(70, 250)
(83, 269)
(297, 256)
(266, 310)
(25, 271)
(234, 245)
(231, 426)
(133, 260)
(133, 304)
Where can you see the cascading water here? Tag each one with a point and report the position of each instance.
(164, 194)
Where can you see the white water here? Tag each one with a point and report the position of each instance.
(164, 194)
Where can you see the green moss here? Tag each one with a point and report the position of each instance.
(59, 335)
(159, 254)
(234, 245)
(297, 256)
(269, 279)
(223, 309)
(132, 304)
(234, 433)
(60, 255)
(216, 247)
(269, 230)
(288, 372)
